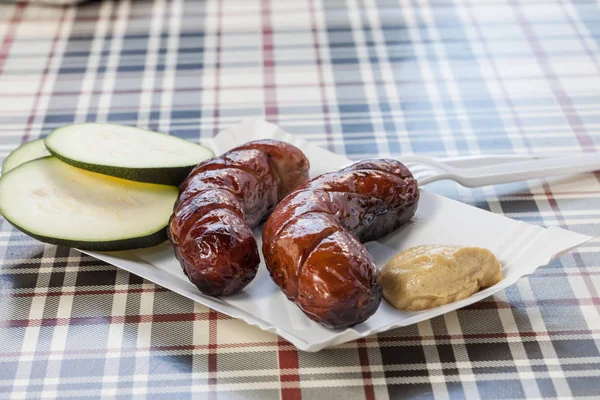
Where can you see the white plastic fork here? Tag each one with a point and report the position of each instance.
(492, 170)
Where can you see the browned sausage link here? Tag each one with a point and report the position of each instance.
(220, 202)
(312, 242)
(289, 163)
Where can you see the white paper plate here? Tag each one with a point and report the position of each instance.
(521, 248)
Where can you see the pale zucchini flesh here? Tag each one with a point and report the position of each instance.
(60, 204)
(127, 152)
(25, 152)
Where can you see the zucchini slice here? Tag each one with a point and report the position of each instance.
(63, 205)
(127, 152)
(25, 152)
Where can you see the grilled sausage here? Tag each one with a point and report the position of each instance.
(219, 204)
(312, 242)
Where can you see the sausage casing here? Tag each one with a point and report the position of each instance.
(312, 242)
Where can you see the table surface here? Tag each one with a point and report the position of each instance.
(361, 77)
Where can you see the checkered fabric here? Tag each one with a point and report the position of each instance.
(361, 77)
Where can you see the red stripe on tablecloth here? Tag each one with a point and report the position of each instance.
(10, 33)
(363, 356)
(213, 316)
(268, 63)
(321, 78)
(38, 93)
(289, 376)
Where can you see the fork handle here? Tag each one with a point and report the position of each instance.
(524, 170)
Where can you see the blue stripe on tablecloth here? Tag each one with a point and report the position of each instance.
(405, 99)
(193, 98)
(433, 62)
(389, 125)
(492, 118)
(342, 74)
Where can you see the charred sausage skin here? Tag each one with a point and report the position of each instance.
(219, 204)
(312, 242)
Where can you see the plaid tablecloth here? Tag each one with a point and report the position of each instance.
(361, 77)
